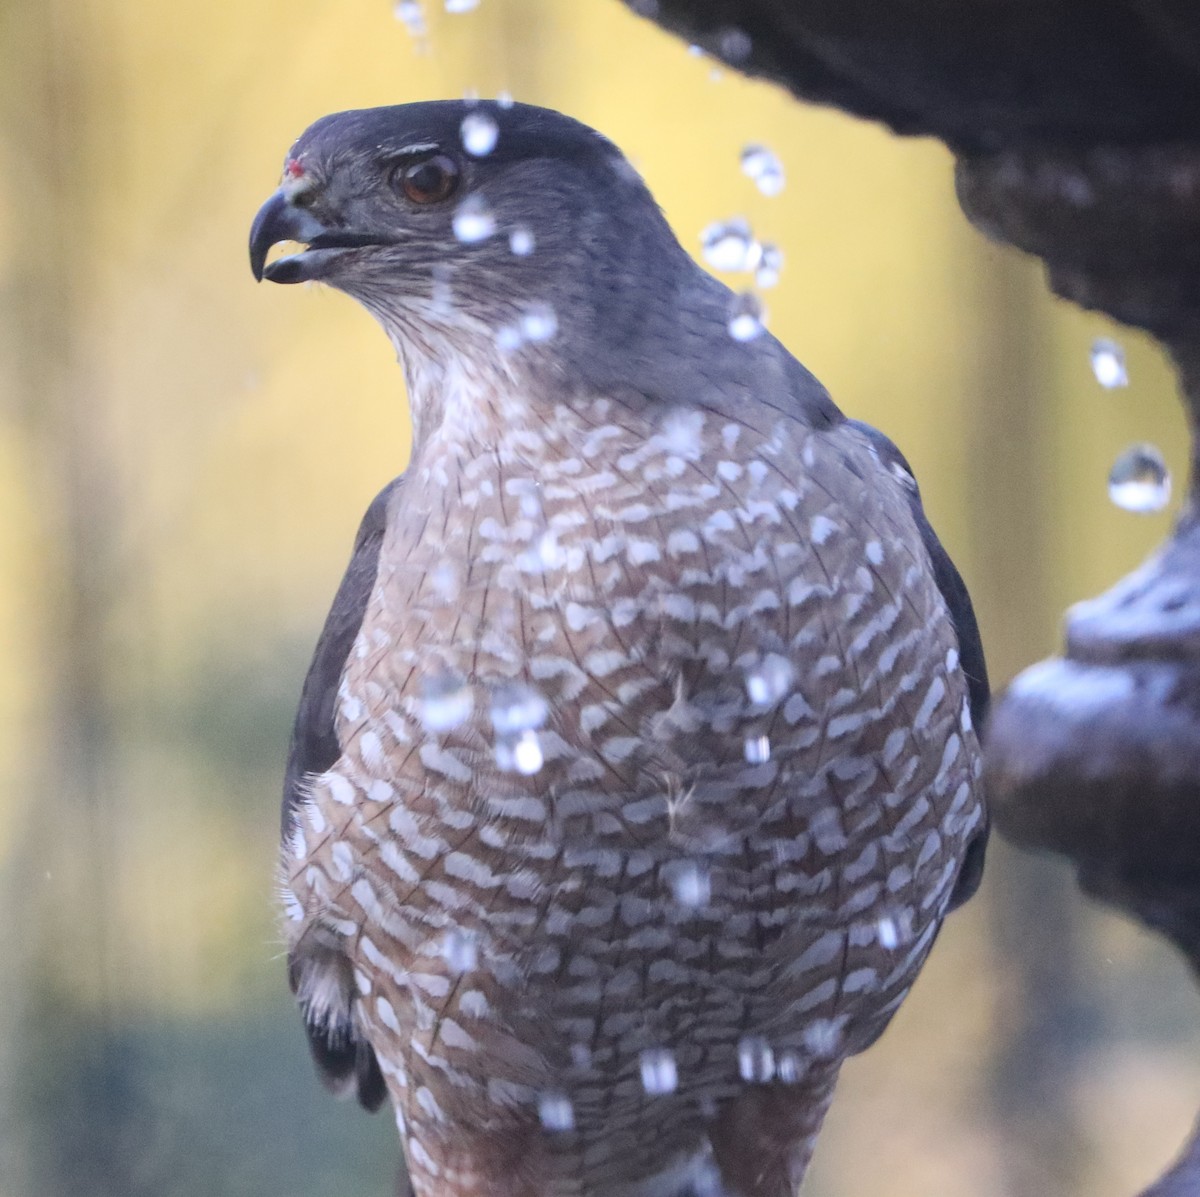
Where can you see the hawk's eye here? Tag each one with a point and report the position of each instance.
(428, 182)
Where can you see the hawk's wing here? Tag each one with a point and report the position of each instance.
(962, 615)
(346, 1063)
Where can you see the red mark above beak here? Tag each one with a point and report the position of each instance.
(294, 169)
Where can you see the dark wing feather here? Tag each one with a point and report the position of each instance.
(962, 615)
(315, 746)
(346, 1063)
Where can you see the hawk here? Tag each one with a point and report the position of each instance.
(635, 770)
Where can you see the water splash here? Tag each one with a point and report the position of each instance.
(473, 220)
(764, 168)
(461, 5)
(1139, 480)
(479, 133)
(660, 1073)
(1108, 364)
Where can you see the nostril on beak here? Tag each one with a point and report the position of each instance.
(279, 220)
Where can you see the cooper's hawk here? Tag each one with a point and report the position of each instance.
(635, 770)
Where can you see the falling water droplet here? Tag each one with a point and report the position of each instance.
(540, 322)
(446, 702)
(411, 13)
(473, 220)
(706, 1181)
(758, 750)
(770, 266)
(734, 45)
(443, 289)
(546, 553)
(1139, 480)
(461, 5)
(581, 1055)
(445, 582)
(521, 241)
(509, 338)
(518, 707)
(770, 681)
(505, 99)
(790, 1068)
(690, 883)
(556, 1112)
(729, 245)
(747, 317)
(888, 933)
(527, 753)
(763, 166)
(822, 1036)
(660, 1073)
(756, 1060)
(479, 132)
(460, 949)
(1108, 364)
(530, 497)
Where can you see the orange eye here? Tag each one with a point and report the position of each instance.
(430, 181)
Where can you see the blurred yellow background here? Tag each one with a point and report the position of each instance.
(184, 457)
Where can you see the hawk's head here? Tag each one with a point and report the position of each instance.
(505, 241)
(510, 220)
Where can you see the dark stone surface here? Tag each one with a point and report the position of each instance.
(1118, 227)
(980, 74)
(1077, 129)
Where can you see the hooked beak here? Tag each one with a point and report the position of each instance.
(280, 220)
